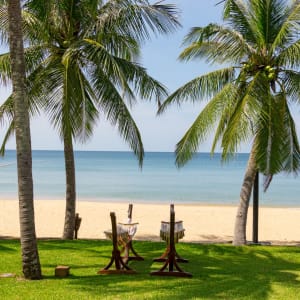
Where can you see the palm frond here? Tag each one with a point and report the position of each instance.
(291, 85)
(278, 147)
(230, 94)
(289, 57)
(200, 88)
(189, 143)
(7, 110)
(124, 74)
(269, 134)
(3, 24)
(137, 18)
(238, 129)
(243, 115)
(112, 104)
(10, 131)
(267, 18)
(5, 69)
(142, 83)
(236, 14)
(71, 105)
(289, 30)
(112, 66)
(215, 43)
(106, 62)
(123, 46)
(86, 113)
(7, 116)
(291, 148)
(203, 125)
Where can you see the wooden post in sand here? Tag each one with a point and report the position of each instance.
(77, 225)
(255, 209)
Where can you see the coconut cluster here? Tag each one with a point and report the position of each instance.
(270, 72)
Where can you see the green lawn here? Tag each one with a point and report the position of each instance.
(219, 272)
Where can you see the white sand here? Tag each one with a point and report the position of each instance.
(202, 223)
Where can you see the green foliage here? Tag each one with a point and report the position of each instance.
(249, 100)
(219, 272)
(81, 62)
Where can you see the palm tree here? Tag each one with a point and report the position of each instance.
(30, 257)
(82, 59)
(259, 48)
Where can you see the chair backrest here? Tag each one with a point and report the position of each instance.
(130, 211)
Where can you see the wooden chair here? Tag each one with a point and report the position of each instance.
(171, 262)
(131, 228)
(121, 266)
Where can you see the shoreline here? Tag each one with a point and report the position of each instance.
(202, 223)
(156, 202)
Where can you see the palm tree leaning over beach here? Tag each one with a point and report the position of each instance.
(249, 98)
(30, 258)
(81, 61)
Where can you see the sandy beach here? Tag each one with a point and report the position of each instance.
(202, 223)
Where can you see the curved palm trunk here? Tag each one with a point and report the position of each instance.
(69, 226)
(30, 258)
(245, 194)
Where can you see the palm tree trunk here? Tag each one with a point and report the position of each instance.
(30, 258)
(245, 194)
(69, 226)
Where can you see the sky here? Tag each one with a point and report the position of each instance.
(160, 57)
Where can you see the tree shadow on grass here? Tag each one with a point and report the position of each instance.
(219, 272)
(7, 249)
(57, 244)
(9, 245)
(241, 272)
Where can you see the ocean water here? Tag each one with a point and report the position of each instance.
(116, 176)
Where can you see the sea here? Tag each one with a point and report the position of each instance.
(116, 176)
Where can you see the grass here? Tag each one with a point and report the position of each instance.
(219, 272)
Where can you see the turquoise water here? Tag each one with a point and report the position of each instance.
(116, 176)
